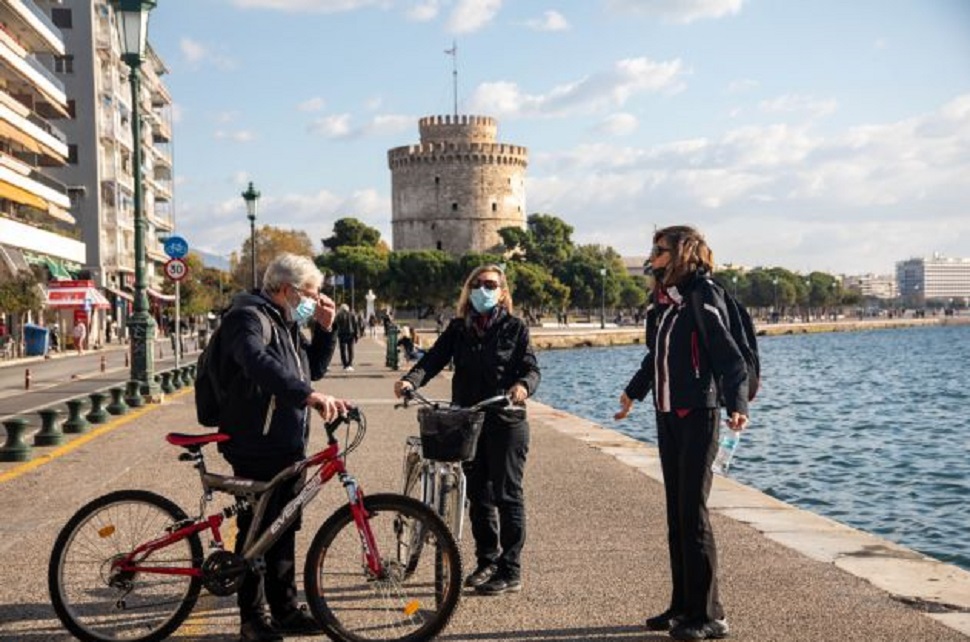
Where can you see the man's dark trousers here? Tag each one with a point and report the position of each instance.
(347, 350)
(278, 586)
(688, 445)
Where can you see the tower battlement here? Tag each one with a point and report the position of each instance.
(478, 153)
(462, 128)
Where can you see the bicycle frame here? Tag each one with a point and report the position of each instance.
(331, 465)
(431, 474)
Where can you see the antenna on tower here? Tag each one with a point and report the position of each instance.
(453, 52)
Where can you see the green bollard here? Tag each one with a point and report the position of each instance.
(97, 415)
(117, 405)
(186, 377)
(192, 372)
(75, 422)
(391, 338)
(167, 386)
(15, 449)
(50, 433)
(132, 396)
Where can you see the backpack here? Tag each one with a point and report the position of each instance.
(742, 331)
(210, 392)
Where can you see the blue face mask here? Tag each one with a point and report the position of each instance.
(484, 300)
(303, 312)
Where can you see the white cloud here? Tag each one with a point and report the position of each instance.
(678, 11)
(198, 55)
(312, 6)
(471, 15)
(796, 103)
(340, 127)
(423, 11)
(742, 85)
(550, 21)
(621, 124)
(604, 89)
(237, 136)
(312, 104)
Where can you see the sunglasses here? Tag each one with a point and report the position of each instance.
(658, 250)
(488, 285)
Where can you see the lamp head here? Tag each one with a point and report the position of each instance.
(132, 23)
(251, 196)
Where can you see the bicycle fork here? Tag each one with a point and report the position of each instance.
(355, 496)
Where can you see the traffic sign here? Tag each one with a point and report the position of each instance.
(176, 247)
(176, 269)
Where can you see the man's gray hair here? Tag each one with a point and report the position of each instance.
(292, 269)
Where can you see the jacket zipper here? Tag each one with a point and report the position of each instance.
(695, 355)
(269, 415)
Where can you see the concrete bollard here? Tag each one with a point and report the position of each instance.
(97, 415)
(50, 433)
(75, 422)
(132, 395)
(127, 359)
(27, 379)
(117, 405)
(15, 449)
(104, 364)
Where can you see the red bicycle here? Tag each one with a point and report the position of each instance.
(130, 565)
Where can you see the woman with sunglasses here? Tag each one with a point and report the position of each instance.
(492, 356)
(685, 375)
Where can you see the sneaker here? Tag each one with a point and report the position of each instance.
(259, 629)
(664, 622)
(498, 585)
(349, 368)
(700, 630)
(298, 622)
(482, 574)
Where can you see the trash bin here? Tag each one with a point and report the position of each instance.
(35, 340)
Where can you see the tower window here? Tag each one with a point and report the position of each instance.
(454, 207)
(437, 179)
(494, 207)
(438, 245)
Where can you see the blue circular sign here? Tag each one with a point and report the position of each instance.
(176, 247)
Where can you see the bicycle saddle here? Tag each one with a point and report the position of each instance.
(188, 441)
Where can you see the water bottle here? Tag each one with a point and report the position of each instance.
(726, 446)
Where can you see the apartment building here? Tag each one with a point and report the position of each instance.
(934, 278)
(100, 171)
(873, 286)
(36, 226)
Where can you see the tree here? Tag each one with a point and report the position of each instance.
(199, 291)
(534, 288)
(20, 295)
(353, 233)
(366, 265)
(417, 278)
(546, 241)
(270, 243)
(581, 272)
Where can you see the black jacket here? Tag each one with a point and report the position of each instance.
(677, 367)
(486, 365)
(268, 382)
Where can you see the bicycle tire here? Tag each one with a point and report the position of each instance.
(353, 606)
(448, 507)
(149, 514)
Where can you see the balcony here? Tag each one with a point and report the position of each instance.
(32, 27)
(37, 77)
(161, 132)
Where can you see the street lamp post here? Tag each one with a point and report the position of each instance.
(132, 24)
(734, 281)
(774, 282)
(603, 299)
(251, 196)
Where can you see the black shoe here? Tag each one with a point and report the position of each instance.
(259, 629)
(500, 584)
(665, 621)
(298, 622)
(700, 630)
(482, 574)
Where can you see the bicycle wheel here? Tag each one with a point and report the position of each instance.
(97, 604)
(414, 488)
(353, 605)
(449, 507)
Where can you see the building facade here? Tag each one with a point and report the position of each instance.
(456, 189)
(936, 278)
(100, 170)
(874, 286)
(36, 226)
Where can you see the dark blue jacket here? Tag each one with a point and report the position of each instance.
(268, 381)
(677, 367)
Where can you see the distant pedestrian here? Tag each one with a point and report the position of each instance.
(685, 381)
(80, 335)
(372, 325)
(346, 327)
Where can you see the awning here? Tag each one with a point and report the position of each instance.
(76, 297)
(127, 296)
(155, 294)
(58, 271)
(13, 259)
(60, 214)
(22, 196)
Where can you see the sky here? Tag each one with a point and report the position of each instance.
(824, 135)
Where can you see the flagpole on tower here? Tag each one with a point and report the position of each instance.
(453, 52)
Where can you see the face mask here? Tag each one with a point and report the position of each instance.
(658, 273)
(303, 311)
(484, 300)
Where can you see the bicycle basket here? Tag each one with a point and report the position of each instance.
(449, 434)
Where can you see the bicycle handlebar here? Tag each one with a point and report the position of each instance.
(410, 394)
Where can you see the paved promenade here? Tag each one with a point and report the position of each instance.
(595, 563)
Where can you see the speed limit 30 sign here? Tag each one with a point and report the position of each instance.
(176, 269)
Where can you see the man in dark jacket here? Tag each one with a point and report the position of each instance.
(268, 364)
(347, 333)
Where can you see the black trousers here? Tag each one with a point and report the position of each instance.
(495, 495)
(277, 587)
(687, 449)
(346, 351)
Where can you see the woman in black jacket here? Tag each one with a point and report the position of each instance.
(686, 377)
(492, 356)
